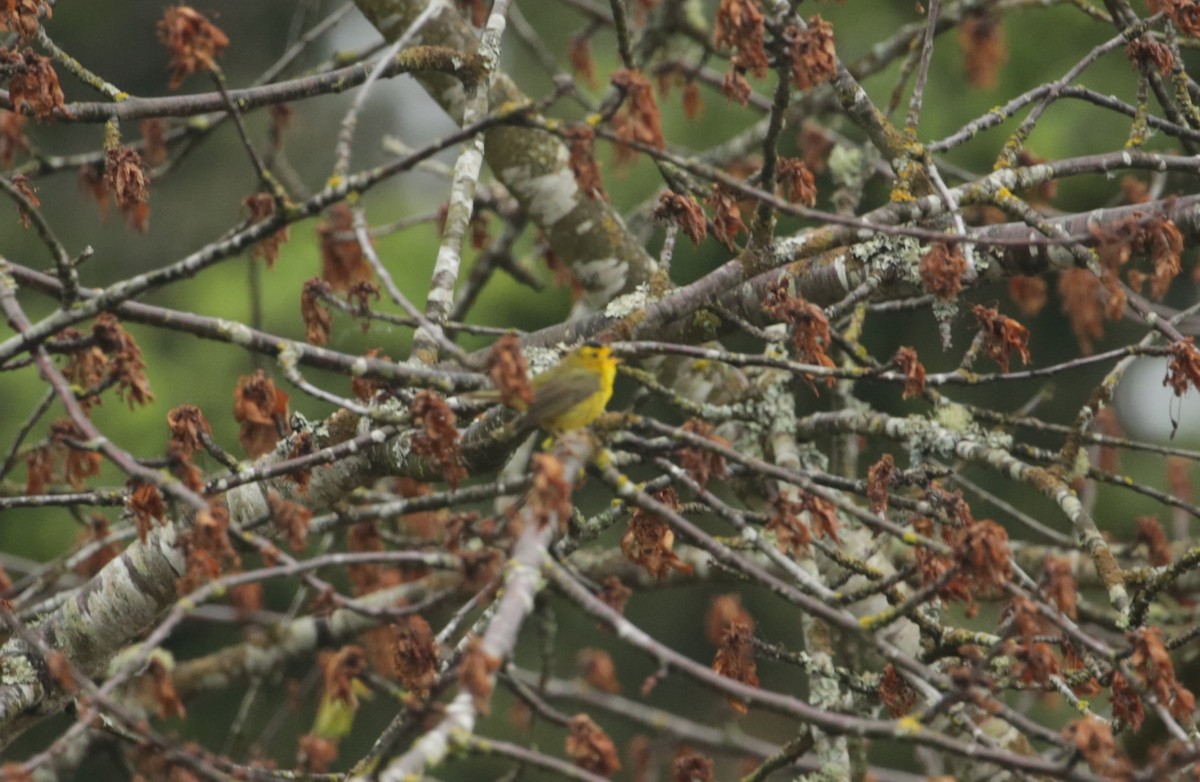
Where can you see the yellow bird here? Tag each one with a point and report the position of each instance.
(573, 392)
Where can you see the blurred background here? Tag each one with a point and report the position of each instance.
(199, 199)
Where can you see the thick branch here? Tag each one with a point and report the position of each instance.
(531, 163)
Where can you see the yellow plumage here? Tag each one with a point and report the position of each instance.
(573, 392)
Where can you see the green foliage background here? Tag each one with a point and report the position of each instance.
(200, 199)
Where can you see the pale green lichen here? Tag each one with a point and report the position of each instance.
(951, 426)
(706, 324)
(827, 773)
(541, 359)
(927, 437)
(631, 302)
(17, 669)
(1081, 465)
(845, 165)
(238, 333)
(890, 257)
(985, 258)
(812, 458)
(289, 356)
(954, 417)
(997, 439)
(944, 311)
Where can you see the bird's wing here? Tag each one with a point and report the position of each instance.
(568, 388)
